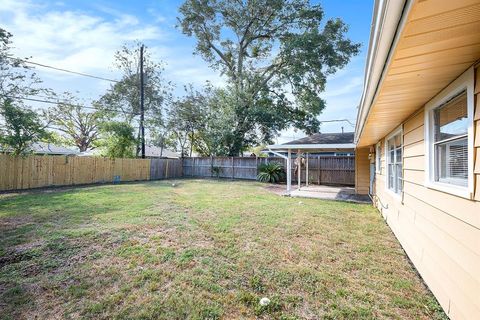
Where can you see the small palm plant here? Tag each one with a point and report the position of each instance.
(270, 172)
(216, 171)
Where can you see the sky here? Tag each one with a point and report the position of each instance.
(84, 35)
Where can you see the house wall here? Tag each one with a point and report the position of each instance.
(362, 170)
(440, 232)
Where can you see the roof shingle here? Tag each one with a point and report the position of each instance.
(325, 138)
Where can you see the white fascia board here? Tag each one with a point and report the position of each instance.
(386, 25)
(312, 146)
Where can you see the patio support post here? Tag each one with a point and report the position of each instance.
(306, 173)
(299, 175)
(289, 171)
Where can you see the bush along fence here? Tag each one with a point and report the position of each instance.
(17, 173)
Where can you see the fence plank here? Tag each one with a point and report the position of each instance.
(17, 173)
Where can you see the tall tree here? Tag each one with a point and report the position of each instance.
(217, 131)
(276, 54)
(123, 97)
(17, 79)
(185, 118)
(22, 127)
(118, 140)
(70, 117)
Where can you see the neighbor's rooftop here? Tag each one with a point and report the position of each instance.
(326, 141)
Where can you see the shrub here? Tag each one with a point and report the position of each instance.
(270, 172)
(216, 171)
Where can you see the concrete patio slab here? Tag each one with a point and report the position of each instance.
(323, 192)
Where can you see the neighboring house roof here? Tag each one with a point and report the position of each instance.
(325, 138)
(90, 153)
(49, 148)
(320, 142)
(150, 152)
(157, 152)
(411, 57)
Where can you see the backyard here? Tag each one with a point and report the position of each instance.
(200, 249)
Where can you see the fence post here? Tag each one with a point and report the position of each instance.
(233, 168)
(211, 166)
(318, 168)
(193, 168)
(306, 170)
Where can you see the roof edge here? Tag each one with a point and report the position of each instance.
(313, 146)
(387, 22)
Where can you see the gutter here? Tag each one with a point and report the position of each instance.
(388, 21)
(313, 146)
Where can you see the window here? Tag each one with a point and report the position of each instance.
(378, 158)
(394, 163)
(449, 138)
(451, 141)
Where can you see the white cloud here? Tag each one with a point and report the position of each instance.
(86, 42)
(344, 87)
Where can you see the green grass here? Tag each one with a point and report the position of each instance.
(200, 250)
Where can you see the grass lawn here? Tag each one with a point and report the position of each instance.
(200, 250)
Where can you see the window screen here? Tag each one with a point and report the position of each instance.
(394, 160)
(451, 141)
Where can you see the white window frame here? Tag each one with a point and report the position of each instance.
(398, 131)
(463, 83)
(378, 158)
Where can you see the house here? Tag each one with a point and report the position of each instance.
(157, 152)
(333, 144)
(150, 152)
(317, 144)
(418, 140)
(45, 148)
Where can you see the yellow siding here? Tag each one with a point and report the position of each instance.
(362, 171)
(440, 232)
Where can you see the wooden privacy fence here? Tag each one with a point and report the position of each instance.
(18, 173)
(322, 170)
(331, 170)
(165, 169)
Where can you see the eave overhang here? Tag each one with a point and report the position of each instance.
(433, 43)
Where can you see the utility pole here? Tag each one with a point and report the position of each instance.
(142, 106)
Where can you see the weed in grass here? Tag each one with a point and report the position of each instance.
(256, 284)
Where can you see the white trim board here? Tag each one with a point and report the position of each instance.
(463, 82)
(313, 146)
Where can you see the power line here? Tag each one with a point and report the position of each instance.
(68, 104)
(339, 120)
(63, 70)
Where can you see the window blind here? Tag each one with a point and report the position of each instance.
(451, 141)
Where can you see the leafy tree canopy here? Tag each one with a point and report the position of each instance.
(80, 127)
(22, 127)
(276, 54)
(123, 97)
(118, 140)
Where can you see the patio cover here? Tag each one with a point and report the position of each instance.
(319, 142)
